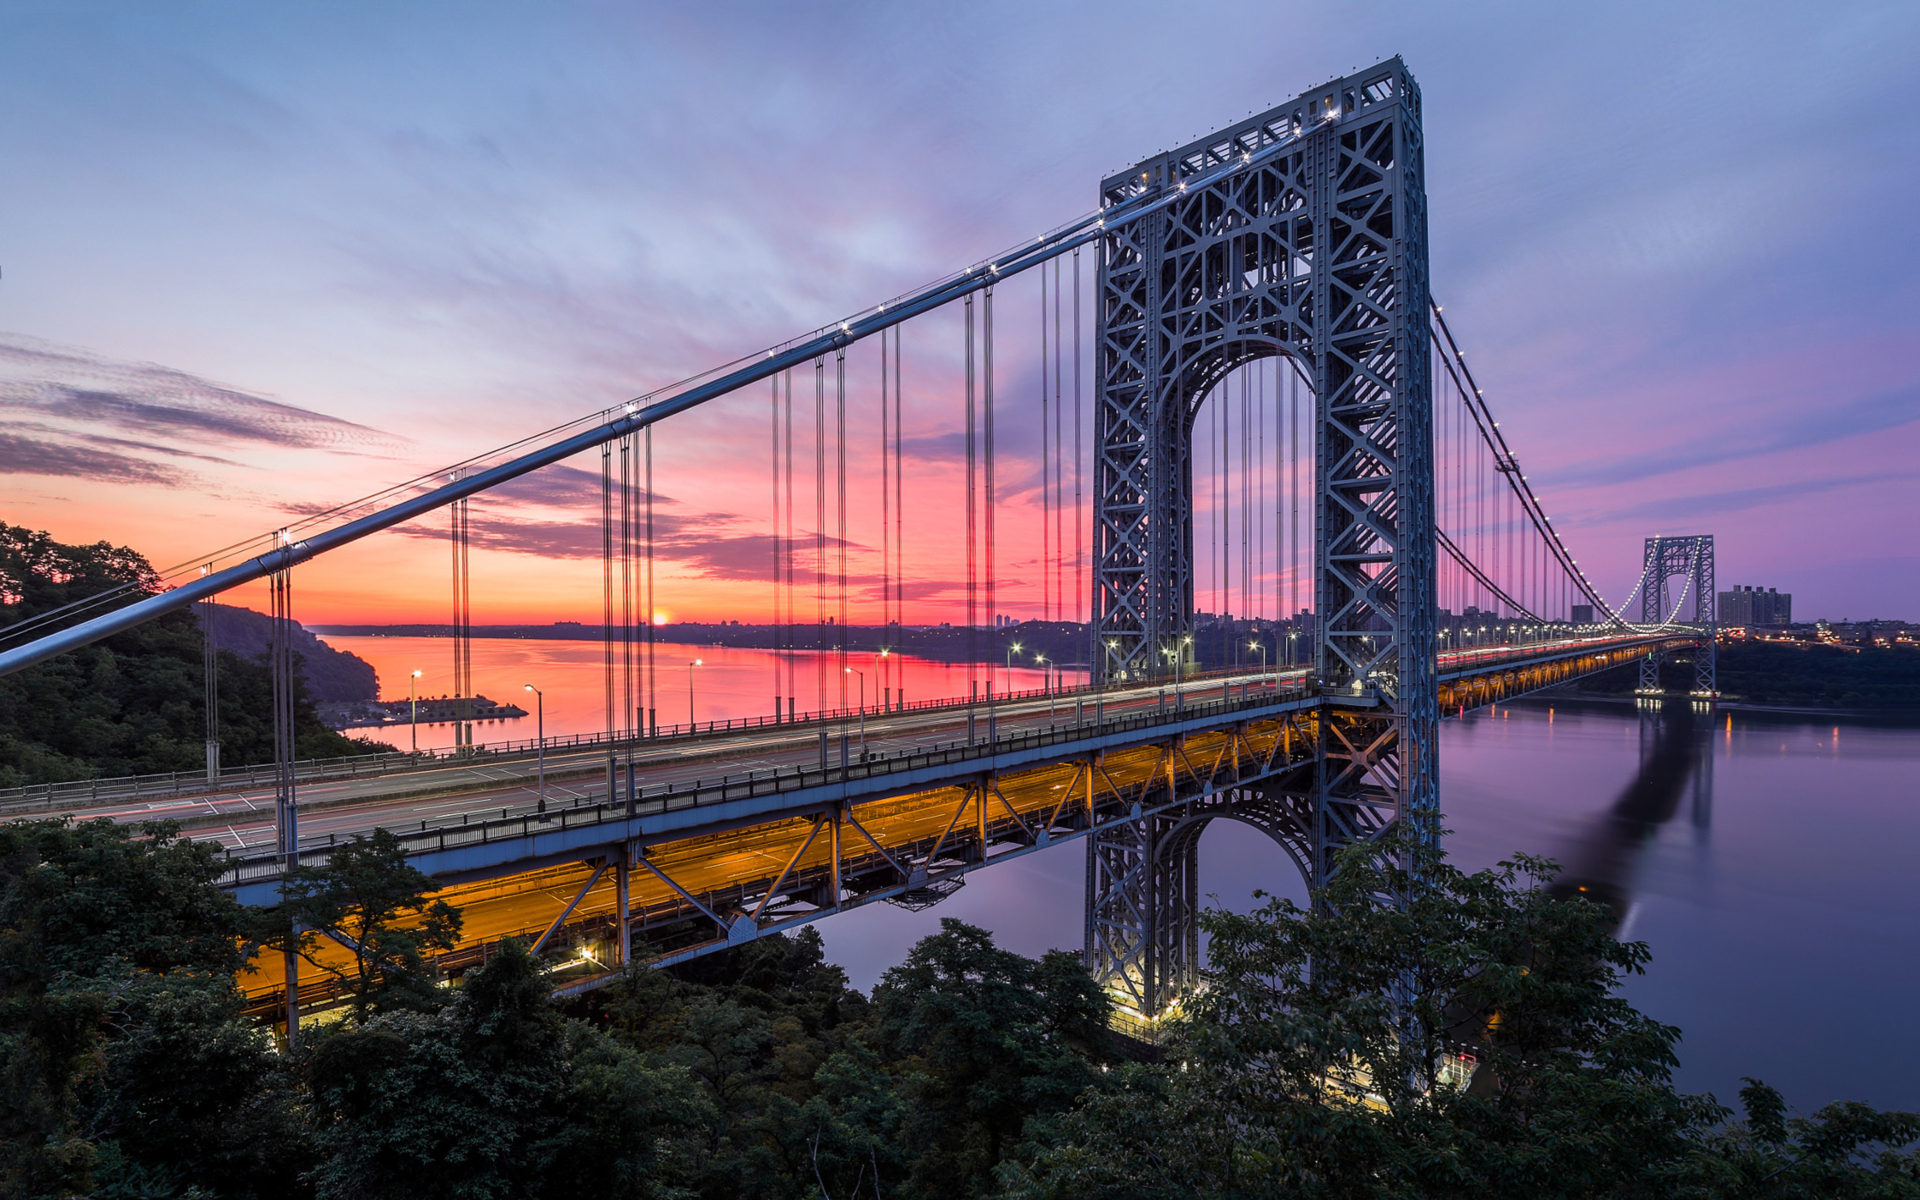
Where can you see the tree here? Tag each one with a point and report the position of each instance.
(124, 1063)
(369, 900)
(984, 1040)
(1320, 1061)
(498, 1096)
(134, 702)
(754, 1027)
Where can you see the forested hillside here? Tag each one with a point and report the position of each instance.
(135, 702)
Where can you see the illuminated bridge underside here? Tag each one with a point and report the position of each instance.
(701, 878)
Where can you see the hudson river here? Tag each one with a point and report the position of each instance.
(1769, 860)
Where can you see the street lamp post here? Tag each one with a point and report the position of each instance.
(863, 710)
(540, 730)
(413, 706)
(1007, 684)
(690, 666)
(1046, 680)
(880, 662)
(1262, 648)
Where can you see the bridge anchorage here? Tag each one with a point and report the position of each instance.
(1318, 256)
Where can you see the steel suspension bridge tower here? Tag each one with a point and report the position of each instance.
(1317, 255)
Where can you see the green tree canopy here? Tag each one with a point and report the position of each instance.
(125, 1067)
(370, 900)
(135, 702)
(1324, 1057)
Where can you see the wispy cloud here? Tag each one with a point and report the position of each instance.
(82, 407)
(1812, 423)
(1743, 499)
(561, 486)
(21, 455)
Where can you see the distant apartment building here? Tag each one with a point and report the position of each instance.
(1752, 606)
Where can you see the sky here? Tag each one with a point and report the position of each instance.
(258, 260)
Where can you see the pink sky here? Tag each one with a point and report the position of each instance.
(252, 263)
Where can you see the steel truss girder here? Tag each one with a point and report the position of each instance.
(1319, 254)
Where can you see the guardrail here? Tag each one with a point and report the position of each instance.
(83, 793)
(769, 781)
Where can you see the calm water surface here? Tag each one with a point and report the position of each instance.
(1767, 859)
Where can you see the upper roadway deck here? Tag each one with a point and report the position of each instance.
(468, 819)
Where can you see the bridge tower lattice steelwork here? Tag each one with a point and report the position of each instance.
(1317, 253)
(1689, 558)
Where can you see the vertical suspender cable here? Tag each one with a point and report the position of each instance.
(1260, 484)
(462, 626)
(840, 514)
(786, 633)
(286, 806)
(210, 655)
(606, 582)
(1047, 603)
(820, 530)
(650, 606)
(773, 418)
(886, 535)
(899, 505)
(973, 548)
(1079, 504)
(1223, 482)
(987, 435)
(1282, 440)
(631, 699)
(1300, 451)
(1246, 501)
(1059, 551)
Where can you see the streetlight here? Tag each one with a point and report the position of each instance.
(413, 704)
(1290, 637)
(880, 663)
(540, 707)
(1262, 648)
(1046, 680)
(1007, 686)
(698, 662)
(863, 709)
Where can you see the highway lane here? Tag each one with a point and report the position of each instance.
(341, 808)
(456, 793)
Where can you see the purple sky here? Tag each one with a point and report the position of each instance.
(258, 257)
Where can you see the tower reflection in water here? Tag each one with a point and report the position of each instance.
(1676, 766)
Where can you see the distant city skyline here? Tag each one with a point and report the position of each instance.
(255, 262)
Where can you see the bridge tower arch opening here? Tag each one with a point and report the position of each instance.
(1677, 587)
(1143, 883)
(1317, 250)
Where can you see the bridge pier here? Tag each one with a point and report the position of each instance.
(1143, 888)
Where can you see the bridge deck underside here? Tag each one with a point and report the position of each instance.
(771, 876)
(779, 873)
